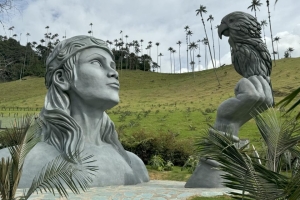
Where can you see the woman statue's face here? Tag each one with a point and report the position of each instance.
(95, 79)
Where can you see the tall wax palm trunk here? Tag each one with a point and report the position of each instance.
(174, 59)
(277, 51)
(269, 16)
(187, 53)
(219, 52)
(206, 66)
(179, 43)
(194, 62)
(203, 9)
(170, 49)
(179, 59)
(212, 36)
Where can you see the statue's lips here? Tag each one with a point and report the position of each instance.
(115, 85)
(223, 30)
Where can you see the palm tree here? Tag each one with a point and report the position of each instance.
(10, 30)
(157, 44)
(47, 27)
(276, 39)
(290, 50)
(264, 23)
(22, 71)
(170, 49)
(150, 45)
(174, 51)
(42, 41)
(121, 32)
(189, 34)
(286, 54)
(269, 16)
(160, 55)
(205, 55)
(137, 51)
(142, 51)
(219, 48)
(187, 48)
(199, 61)
(201, 10)
(193, 46)
(179, 43)
(91, 24)
(211, 18)
(255, 5)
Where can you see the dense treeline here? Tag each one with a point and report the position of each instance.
(17, 61)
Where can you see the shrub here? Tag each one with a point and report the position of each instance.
(169, 166)
(191, 163)
(166, 144)
(157, 162)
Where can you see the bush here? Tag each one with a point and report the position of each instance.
(166, 144)
(191, 163)
(156, 162)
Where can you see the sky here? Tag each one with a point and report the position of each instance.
(160, 21)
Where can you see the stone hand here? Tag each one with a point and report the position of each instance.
(251, 94)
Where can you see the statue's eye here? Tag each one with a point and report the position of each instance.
(96, 62)
(231, 20)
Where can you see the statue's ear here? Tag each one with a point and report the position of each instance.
(60, 80)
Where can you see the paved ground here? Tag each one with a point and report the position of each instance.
(156, 190)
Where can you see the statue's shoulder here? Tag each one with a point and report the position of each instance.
(43, 151)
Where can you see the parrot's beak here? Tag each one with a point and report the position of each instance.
(223, 30)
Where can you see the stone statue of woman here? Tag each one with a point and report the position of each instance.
(82, 83)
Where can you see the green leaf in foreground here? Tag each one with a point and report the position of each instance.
(60, 174)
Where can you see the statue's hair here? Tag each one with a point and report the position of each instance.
(61, 130)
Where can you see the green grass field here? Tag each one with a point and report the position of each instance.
(154, 102)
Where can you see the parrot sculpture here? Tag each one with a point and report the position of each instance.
(249, 54)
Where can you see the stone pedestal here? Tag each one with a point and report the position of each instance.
(206, 175)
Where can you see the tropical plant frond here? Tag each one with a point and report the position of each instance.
(241, 171)
(293, 187)
(15, 134)
(288, 99)
(31, 137)
(279, 136)
(60, 174)
(5, 168)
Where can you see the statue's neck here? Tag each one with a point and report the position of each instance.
(89, 119)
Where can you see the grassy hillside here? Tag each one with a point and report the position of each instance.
(153, 102)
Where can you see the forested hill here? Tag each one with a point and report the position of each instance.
(17, 61)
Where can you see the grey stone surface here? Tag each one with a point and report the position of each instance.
(153, 190)
(82, 83)
(252, 60)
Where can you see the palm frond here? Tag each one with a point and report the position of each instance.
(16, 133)
(60, 173)
(31, 137)
(279, 136)
(241, 171)
(293, 187)
(20, 139)
(5, 168)
(288, 100)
